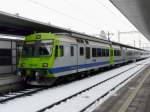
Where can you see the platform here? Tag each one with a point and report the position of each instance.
(133, 97)
(8, 82)
(8, 79)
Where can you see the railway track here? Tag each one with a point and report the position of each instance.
(75, 96)
(52, 98)
(18, 94)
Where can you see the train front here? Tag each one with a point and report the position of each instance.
(36, 59)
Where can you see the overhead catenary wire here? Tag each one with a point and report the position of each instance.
(64, 14)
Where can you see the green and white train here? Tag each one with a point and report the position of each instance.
(46, 57)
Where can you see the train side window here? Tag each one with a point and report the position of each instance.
(107, 52)
(93, 52)
(118, 53)
(99, 52)
(103, 52)
(71, 50)
(88, 53)
(61, 51)
(81, 51)
(115, 52)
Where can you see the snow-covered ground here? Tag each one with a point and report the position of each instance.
(47, 97)
(77, 103)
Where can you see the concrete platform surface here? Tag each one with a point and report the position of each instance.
(9, 82)
(8, 79)
(133, 97)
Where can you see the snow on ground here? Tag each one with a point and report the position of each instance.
(47, 97)
(98, 103)
(77, 103)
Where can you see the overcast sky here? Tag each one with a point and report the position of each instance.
(89, 16)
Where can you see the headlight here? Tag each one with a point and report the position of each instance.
(45, 64)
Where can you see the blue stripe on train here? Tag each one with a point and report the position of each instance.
(62, 69)
(74, 67)
(93, 64)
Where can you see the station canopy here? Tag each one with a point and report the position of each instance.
(15, 25)
(19, 26)
(137, 12)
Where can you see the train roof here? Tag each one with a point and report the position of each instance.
(96, 39)
(116, 43)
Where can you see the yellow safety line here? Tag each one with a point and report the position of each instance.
(128, 101)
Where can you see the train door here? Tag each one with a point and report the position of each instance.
(88, 55)
(123, 54)
(81, 57)
(73, 56)
(65, 59)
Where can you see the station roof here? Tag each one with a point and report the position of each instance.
(15, 25)
(137, 12)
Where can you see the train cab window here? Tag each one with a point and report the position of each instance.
(99, 52)
(81, 51)
(93, 52)
(88, 53)
(72, 51)
(44, 50)
(61, 51)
